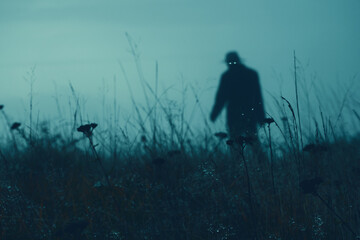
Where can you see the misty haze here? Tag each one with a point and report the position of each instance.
(178, 119)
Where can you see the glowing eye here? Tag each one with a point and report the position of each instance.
(234, 62)
(229, 63)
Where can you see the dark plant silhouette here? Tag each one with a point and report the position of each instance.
(230, 142)
(143, 139)
(239, 144)
(6, 162)
(244, 140)
(168, 184)
(310, 186)
(315, 148)
(87, 130)
(269, 121)
(1, 107)
(296, 130)
(12, 127)
(15, 126)
(221, 135)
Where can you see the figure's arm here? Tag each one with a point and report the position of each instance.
(259, 104)
(220, 100)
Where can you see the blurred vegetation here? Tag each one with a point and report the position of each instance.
(167, 185)
(77, 179)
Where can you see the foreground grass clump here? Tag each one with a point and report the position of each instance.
(53, 188)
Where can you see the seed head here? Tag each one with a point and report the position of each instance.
(15, 126)
(221, 135)
(268, 120)
(84, 128)
(284, 119)
(93, 125)
(87, 129)
(243, 140)
(230, 142)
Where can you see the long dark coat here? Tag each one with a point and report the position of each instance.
(239, 91)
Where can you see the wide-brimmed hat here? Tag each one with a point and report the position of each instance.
(232, 57)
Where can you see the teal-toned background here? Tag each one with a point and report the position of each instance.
(82, 42)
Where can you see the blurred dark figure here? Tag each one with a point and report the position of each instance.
(239, 91)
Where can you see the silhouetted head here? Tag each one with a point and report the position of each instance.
(232, 59)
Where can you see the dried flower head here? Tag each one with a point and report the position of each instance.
(243, 140)
(268, 120)
(240, 141)
(1, 107)
(84, 128)
(221, 135)
(93, 125)
(87, 129)
(15, 126)
(230, 142)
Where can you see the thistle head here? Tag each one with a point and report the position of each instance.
(87, 129)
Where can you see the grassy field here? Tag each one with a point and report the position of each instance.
(75, 179)
(98, 184)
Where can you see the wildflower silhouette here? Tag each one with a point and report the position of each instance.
(284, 119)
(244, 140)
(239, 144)
(241, 141)
(15, 126)
(1, 107)
(143, 139)
(87, 129)
(230, 142)
(221, 135)
(290, 107)
(268, 120)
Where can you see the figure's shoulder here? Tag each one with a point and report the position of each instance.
(225, 75)
(251, 71)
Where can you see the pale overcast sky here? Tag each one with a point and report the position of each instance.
(82, 41)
